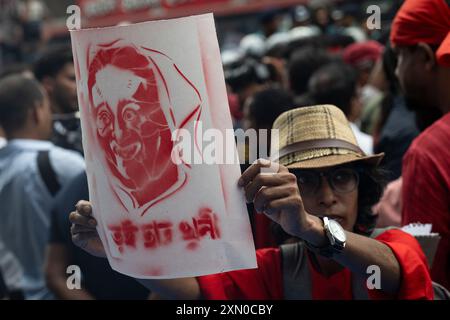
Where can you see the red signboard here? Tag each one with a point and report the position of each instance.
(96, 13)
(101, 8)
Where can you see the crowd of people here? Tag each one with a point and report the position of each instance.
(21, 30)
(364, 123)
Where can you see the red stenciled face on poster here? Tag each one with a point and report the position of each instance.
(131, 109)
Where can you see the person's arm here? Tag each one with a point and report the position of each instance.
(57, 261)
(389, 208)
(278, 196)
(361, 252)
(84, 235)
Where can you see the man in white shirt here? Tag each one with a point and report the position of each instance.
(2, 138)
(25, 194)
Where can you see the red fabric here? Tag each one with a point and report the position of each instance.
(235, 109)
(266, 282)
(263, 232)
(360, 53)
(416, 281)
(426, 190)
(425, 21)
(338, 285)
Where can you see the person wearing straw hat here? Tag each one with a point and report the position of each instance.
(321, 194)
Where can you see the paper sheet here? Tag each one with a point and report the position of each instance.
(428, 240)
(160, 216)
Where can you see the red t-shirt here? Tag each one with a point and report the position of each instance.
(266, 281)
(263, 233)
(426, 190)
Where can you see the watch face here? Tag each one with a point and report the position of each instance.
(337, 231)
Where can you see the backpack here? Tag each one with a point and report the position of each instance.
(47, 173)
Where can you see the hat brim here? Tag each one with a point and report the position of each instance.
(335, 160)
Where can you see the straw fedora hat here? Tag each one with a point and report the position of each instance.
(315, 137)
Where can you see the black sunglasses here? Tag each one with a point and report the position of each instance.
(341, 180)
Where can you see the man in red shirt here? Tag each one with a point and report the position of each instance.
(321, 194)
(421, 37)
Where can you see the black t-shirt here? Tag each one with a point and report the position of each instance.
(3, 289)
(396, 136)
(97, 276)
(67, 134)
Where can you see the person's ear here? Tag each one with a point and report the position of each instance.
(40, 114)
(34, 113)
(428, 56)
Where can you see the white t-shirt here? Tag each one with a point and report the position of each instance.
(364, 140)
(10, 268)
(2, 142)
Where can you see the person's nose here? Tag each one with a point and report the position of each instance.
(327, 197)
(118, 131)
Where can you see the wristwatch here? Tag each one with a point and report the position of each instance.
(336, 239)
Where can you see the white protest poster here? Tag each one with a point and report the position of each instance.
(163, 211)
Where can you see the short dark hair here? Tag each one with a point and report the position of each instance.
(334, 83)
(372, 180)
(303, 63)
(18, 95)
(52, 61)
(268, 104)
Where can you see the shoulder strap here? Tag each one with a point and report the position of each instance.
(359, 287)
(297, 283)
(377, 231)
(47, 172)
(296, 277)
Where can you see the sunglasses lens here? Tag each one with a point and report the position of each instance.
(307, 181)
(344, 180)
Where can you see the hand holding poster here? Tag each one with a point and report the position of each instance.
(159, 215)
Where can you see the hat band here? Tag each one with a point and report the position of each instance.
(318, 144)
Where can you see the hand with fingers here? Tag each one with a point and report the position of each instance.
(277, 195)
(84, 235)
(83, 230)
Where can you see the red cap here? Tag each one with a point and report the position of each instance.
(361, 53)
(426, 21)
